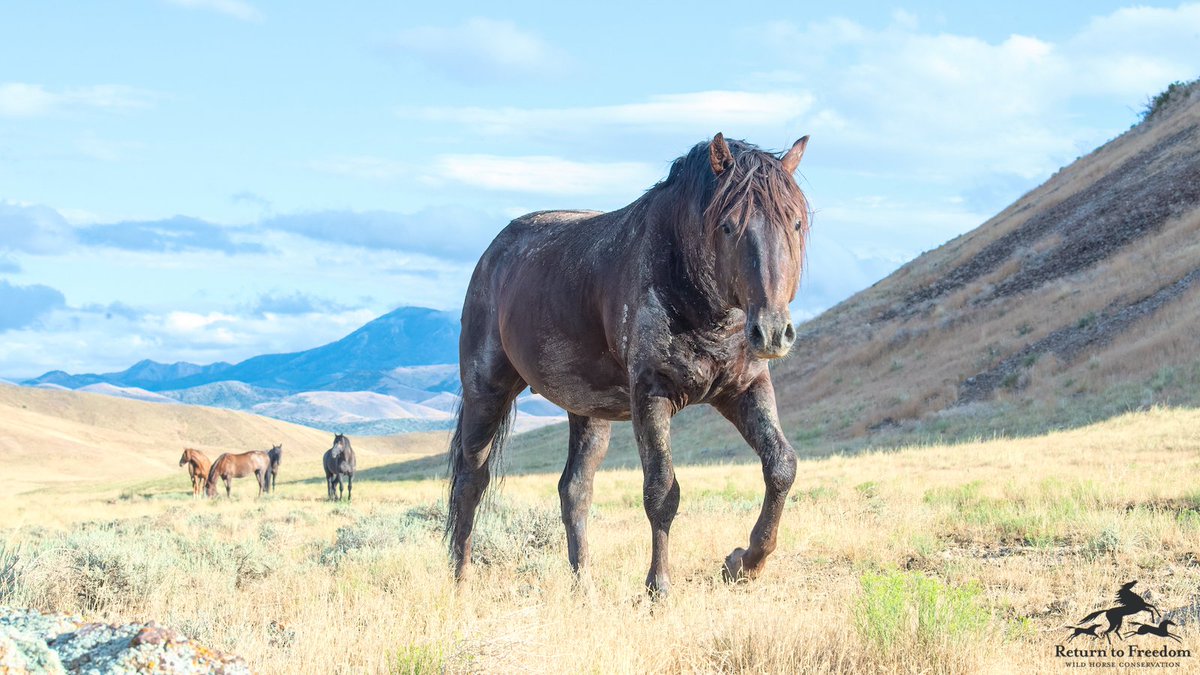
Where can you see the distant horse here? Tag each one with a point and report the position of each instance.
(229, 466)
(276, 456)
(339, 461)
(677, 299)
(197, 466)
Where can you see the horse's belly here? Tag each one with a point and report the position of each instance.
(609, 404)
(576, 379)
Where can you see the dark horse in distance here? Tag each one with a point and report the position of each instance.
(197, 466)
(677, 299)
(275, 454)
(229, 466)
(339, 461)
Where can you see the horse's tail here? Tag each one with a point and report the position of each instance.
(456, 460)
(1091, 616)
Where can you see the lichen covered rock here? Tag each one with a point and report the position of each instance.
(32, 642)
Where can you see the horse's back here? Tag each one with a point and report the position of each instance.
(542, 300)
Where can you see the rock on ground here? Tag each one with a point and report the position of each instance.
(32, 642)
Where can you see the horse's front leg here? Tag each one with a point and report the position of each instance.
(587, 447)
(755, 416)
(660, 491)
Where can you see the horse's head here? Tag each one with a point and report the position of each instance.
(757, 223)
(183, 459)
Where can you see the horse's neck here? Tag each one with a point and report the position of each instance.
(686, 281)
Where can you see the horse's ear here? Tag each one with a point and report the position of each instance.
(792, 159)
(719, 155)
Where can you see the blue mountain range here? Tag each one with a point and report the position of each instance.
(361, 361)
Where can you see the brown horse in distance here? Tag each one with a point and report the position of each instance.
(677, 299)
(229, 466)
(197, 466)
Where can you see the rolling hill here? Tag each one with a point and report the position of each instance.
(1077, 302)
(55, 437)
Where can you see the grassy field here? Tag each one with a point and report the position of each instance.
(962, 558)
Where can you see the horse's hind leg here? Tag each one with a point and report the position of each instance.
(754, 414)
(488, 393)
(588, 445)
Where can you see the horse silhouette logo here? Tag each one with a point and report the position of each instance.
(1128, 604)
(1160, 630)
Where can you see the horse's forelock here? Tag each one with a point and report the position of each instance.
(756, 183)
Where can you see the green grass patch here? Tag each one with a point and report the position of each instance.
(898, 608)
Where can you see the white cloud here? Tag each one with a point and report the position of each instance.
(703, 113)
(33, 229)
(367, 167)
(20, 99)
(481, 49)
(1122, 52)
(953, 108)
(237, 9)
(80, 340)
(189, 322)
(546, 175)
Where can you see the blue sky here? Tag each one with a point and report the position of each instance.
(213, 179)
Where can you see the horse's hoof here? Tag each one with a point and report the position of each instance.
(658, 588)
(734, 571)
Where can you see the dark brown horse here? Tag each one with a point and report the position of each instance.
(197, 466)
(229, 466)
(679, 298)
(275, 454)
(339, 461)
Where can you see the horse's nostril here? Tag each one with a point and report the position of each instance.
(757, 335)
(789, 333)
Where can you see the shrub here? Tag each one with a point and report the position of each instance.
(906, 607)
(375, 533)
(1174, 92)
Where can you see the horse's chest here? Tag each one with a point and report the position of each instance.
(702, 369)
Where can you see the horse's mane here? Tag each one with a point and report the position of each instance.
(754, 183)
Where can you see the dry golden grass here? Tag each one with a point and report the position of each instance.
(1016, 539)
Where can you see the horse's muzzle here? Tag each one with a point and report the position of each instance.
(771, 334)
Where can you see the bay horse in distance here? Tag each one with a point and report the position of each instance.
(197, 467)
(677, 299)
(339, 461)
(229, 466)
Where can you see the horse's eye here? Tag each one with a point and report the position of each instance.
(726, 229)
(798, 224)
